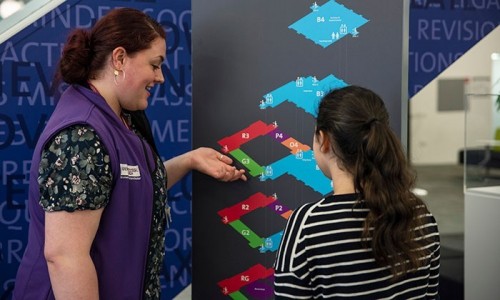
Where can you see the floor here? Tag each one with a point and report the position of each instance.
(185, 294)
(444, 185)
(445, 197)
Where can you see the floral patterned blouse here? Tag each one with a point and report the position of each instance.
(75, 174)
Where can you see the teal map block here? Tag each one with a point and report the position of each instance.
(301, 166)
(271, 243)
(328, 23)
(304, 92)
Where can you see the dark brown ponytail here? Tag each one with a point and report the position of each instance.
(358, 126)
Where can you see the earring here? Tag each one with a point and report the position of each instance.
(116, 73)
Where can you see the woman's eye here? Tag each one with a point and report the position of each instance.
(155, 67)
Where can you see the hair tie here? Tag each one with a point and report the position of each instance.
(87, 35)
(89, 45)
(369, 123)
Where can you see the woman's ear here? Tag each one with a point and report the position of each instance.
(118, 57)
(324, 142)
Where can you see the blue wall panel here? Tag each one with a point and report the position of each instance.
(28, 61)
(441, 31)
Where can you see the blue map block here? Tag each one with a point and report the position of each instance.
(304, 92)
(303, 168)
(271, 243)
(328, 23)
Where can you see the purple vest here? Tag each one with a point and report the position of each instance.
(119, 250)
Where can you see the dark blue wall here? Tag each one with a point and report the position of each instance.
(28, 63)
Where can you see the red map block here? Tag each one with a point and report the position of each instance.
(241, 137)
(249, 276)
(232, 213)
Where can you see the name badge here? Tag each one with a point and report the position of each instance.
(130, 172)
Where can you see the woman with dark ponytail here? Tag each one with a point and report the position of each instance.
(372, 238)
(97, 198)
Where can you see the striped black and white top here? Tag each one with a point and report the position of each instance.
(321, 256)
